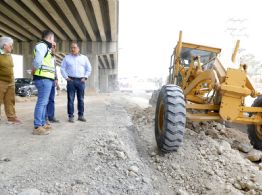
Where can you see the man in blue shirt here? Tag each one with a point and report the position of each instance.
(50, 108)
(75, 69)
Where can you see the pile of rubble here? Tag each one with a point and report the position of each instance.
(214, 159)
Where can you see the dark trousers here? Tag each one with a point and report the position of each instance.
(75, 86)
(50, 112)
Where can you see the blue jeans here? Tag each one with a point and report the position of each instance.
(44, 88)
(50, 111)
(77, 87)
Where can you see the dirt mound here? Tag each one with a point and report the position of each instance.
(143, 117)
(153, 98)
(111, 155)
(214, 159)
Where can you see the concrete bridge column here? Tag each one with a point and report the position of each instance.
(16, 48)
(90, 49)
(107, 80)
(99, 78)
(26, 51)
(103, 80)
(93, 82)
(63, 46)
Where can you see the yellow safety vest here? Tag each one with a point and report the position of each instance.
(47, 68)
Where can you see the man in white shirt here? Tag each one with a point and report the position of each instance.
(75, 69)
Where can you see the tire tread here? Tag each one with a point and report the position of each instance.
(174, 118)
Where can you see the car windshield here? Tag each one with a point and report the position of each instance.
(23, 81)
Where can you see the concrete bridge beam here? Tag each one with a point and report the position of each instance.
(80, 8)
(72, 20)
(49, 8)
(113, 10)
(45, 19)
(99, 19)
(15, 17)
(19, 8)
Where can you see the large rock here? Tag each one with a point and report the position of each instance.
(212, 133)
(181, 192)
(219, 126)
(254, 156)
(134, 169)
(244, 147)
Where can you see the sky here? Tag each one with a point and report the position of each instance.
(148, 31)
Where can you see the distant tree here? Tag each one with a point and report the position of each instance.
(253, 65)
(238, 29)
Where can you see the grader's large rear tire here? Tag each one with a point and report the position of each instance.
(254, 137)
(170, 118)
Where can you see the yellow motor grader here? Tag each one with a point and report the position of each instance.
(198, 82)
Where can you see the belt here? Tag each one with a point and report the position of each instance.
(74, 78)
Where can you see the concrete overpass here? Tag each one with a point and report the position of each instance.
(92, 23)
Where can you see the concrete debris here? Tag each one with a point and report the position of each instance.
(254, 156)
(246, 148)
(219, 160)
(260, 166)
(134, 169)
(251, 192)
(115, 152)
(182, 192)
(4, 159)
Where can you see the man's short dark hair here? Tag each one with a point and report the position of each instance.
(47, 33)
(75, 42)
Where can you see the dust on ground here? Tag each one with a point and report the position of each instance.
(115, 152)
(214, 159)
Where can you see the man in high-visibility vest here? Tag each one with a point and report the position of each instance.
(43, 75)
(50, 108)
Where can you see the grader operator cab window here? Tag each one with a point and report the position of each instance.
(206, 57)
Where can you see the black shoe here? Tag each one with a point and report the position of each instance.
(54, 120)
(81, 118)
(71, 119)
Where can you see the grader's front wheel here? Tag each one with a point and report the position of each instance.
(255, 132)
(170, 118)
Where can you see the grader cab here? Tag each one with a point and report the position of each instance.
(199, 82)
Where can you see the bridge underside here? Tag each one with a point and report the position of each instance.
(92, 23)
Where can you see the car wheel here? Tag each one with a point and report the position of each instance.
(29, 93)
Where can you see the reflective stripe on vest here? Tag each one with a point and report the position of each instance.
(47, 69)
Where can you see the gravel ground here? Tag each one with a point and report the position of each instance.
(115, 152)
(213, 159)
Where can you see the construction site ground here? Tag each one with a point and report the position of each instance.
(115, 152)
